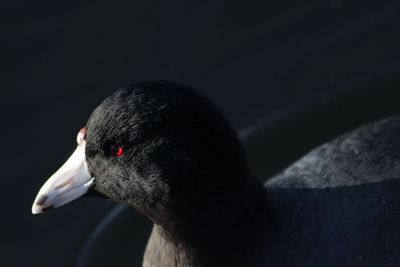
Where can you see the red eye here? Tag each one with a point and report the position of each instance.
(116, 150)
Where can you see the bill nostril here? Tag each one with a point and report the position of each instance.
(64, 183)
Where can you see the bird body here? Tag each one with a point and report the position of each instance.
(169, 152)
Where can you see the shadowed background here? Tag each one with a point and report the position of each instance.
(307, 70)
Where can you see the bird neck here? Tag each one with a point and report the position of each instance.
(214, 230)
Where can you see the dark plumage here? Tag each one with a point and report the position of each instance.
(183, 167)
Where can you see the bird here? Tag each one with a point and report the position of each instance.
(170, 153)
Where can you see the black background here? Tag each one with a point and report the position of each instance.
(60, 59)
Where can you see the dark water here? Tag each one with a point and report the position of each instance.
(256, 60)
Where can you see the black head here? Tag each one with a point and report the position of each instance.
(159, 144)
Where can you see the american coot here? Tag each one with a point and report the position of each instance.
(168, 152)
